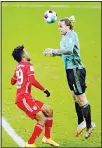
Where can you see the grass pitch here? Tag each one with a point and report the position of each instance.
(22, 23)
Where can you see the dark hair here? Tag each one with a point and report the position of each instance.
(17, 53)
(67, 22)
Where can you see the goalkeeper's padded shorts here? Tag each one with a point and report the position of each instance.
(76, 80)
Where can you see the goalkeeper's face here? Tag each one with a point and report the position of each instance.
(62, 27)
(26, 55)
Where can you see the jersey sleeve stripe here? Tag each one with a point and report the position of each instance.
(27, 105)
(30, 74)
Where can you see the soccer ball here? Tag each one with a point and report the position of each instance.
(50, 16)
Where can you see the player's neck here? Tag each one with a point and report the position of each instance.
(24, 60)
(68, 31)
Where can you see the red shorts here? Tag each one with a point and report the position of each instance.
(30, 106)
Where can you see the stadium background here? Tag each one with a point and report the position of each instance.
(22, 23)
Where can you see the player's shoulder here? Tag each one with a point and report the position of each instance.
(30, 66)
(29, 63)
(20, 65)
(26, 63)
(70, 36)
(73, 34)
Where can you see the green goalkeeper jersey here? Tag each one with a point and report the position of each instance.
(70, 51)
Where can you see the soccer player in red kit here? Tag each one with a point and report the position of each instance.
(35, 109)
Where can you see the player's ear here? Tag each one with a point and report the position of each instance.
(68, 27)
(23, 56)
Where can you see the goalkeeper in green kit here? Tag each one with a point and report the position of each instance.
(75, 73)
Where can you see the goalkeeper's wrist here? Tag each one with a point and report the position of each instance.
(55, 51)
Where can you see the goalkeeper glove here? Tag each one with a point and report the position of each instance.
(50, 51)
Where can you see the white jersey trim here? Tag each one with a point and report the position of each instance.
(39, 126)
(20, 66)
(30, 74)
(49, 118)
(27, 105)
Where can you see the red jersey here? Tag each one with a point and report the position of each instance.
(24, 77)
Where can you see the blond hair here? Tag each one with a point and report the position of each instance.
(68, 21)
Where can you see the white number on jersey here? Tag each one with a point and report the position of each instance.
(19, 75)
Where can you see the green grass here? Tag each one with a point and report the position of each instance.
(8, 140)
(25, 25)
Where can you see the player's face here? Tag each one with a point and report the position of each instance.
(62, 27)
(26, 55)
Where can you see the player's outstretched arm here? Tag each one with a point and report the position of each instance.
(57, 52)
(35, 83)
(51, 52)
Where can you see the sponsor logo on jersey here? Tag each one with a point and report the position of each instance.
(34, 107)
(31, 68)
